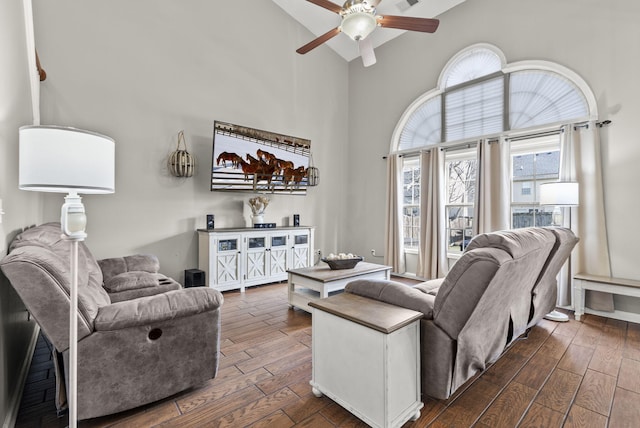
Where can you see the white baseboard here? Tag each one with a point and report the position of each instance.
(12, 411)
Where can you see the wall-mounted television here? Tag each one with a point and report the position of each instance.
(248, 159)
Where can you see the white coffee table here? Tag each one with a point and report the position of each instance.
(317, 282)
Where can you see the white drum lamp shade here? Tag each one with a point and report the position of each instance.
(561, 193)
(65, 160)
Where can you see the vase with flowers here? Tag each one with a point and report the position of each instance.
(258, 205)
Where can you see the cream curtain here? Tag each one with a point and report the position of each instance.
(581, 161)
(493, 189)
(394, 251)
(432, 261)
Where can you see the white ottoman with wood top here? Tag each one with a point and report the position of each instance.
(366, 357)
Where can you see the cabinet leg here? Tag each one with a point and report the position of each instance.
(315, 389)
(578, 295)
(415, 416)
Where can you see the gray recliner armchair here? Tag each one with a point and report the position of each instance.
(144, 340)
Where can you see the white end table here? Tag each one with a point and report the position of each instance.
(366, 358)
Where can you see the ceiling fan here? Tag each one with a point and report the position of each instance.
(359, 19)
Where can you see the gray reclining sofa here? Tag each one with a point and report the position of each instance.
(141, 336)
(502, 285)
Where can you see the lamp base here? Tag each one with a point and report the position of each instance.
(556, 316)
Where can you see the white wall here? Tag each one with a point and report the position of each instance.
(597, 40)
(21, 208)
(142, 71)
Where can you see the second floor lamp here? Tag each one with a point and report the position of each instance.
(561, 195)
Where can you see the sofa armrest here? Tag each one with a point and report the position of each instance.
(158, 308)
(394, 293)
(139, 262)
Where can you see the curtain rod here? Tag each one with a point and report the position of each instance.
(459, 146)
(400, 155)
(538, 134)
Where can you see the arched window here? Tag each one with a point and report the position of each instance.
(480, 102)
(479, 94)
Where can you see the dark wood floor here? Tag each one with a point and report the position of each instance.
(575, 374)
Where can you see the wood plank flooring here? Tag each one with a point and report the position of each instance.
(575, 374)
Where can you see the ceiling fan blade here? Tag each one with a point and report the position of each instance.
(327, 5)
(410, 23)
(366, 52)
(318, 41)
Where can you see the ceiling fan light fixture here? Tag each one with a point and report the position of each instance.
(358, 25)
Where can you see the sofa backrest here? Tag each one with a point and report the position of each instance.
(38, 267)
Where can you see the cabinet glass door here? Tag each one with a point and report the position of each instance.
(227, 245)
(278, 241)
(257, 242)
(301, 239)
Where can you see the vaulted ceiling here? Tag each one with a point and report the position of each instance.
(319, 20)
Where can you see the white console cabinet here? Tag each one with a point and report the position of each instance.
(238, 258)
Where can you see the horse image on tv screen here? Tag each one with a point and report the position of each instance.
(247, 159)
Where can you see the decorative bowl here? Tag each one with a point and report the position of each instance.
(337, 264)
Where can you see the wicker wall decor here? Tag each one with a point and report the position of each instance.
(313, 173)
(181, 163)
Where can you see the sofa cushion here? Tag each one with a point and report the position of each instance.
(139, 262)
(430, 287)
(131, 281)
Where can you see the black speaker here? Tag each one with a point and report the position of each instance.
(210, 222)
(194, 278)
(296, 220)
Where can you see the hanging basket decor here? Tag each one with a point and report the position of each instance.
(181, 163)
(313, 176)
(313, 173)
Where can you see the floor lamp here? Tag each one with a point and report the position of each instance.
(560, 194)
(72, 161)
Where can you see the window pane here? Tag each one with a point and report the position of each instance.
(540, 97)
(474, 110)
(423, 126)
(411, 202)
(545, 217)
(522, 217)
(473, 65)
(461, 183)
(411, 226)
(411, 182)
(534, 161)
(459, 230)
